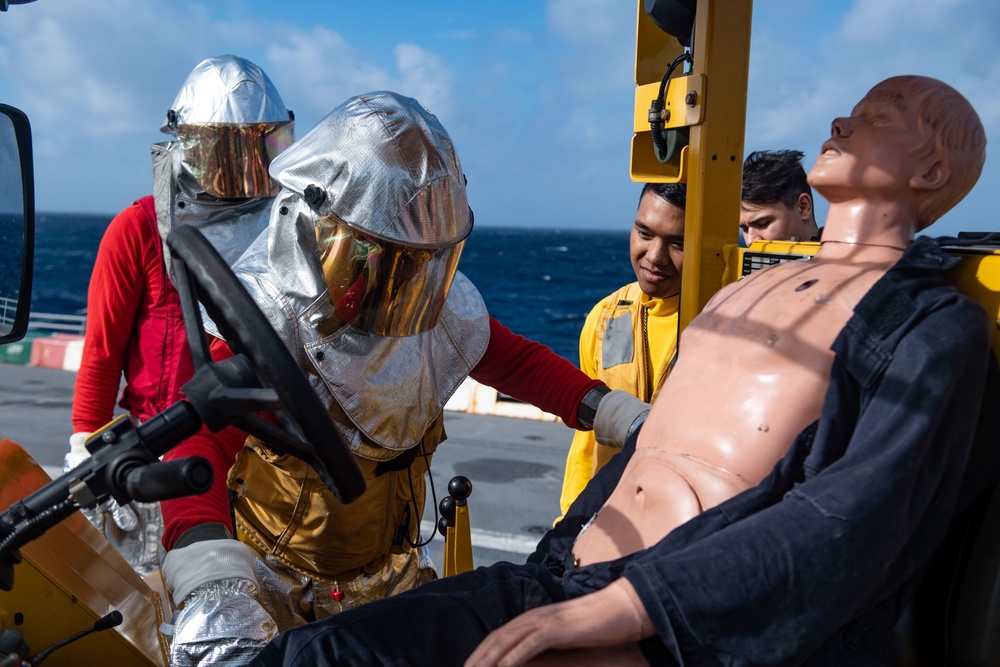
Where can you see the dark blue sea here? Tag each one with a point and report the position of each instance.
(539, 282)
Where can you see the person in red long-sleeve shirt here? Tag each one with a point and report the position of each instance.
(358, 276)
(135, 328)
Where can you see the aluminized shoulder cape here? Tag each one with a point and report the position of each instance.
(230, 225)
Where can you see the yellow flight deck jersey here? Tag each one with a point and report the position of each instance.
(628, 341)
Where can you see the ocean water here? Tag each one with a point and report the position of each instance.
(539, 282)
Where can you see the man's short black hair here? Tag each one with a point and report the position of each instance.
(770, 177)
(675, 193)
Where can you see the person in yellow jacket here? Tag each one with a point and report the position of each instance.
(629, 339)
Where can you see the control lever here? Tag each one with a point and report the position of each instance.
(161, 481)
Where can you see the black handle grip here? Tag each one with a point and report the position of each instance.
(110, 620)
(169, 479)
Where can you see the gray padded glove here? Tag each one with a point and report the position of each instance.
(619, 414)
(219, 621)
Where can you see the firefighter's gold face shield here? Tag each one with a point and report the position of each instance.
(230, 160)
(382, 287)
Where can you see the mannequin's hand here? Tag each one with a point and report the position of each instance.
(612, 616)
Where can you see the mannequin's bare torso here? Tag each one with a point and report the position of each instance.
(752, 373)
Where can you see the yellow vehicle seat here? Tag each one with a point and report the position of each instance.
(71, 577)
(955, 618)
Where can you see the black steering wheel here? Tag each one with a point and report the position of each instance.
(231, 392)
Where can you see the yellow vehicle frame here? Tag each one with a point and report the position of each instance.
(712, 163)
(70, 577)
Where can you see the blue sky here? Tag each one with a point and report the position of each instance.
(536, 94)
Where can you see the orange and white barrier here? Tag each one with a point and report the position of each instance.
(474, 398)
(59, 351)
(64, 351)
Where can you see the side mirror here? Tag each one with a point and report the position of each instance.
(17, 223)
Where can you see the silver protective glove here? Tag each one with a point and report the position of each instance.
(133, 529)
(619, 414)
(218, 620)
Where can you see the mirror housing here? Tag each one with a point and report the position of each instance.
(17, 223)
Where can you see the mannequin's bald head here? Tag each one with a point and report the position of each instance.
(950, 130)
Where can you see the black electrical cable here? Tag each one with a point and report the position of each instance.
(684, 57)
(409, 476)
(656, 109)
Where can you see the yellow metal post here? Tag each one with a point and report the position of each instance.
(458, 543)
(458, 535)
(714, 104)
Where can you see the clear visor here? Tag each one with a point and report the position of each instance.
(230, 161)
(384, 288)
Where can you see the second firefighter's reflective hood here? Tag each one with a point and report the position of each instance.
(225, 90)
(230, 122)
(230, 225)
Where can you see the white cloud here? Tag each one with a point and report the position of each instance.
(461, 34)
(96, 80)
(511, 35)
(594, 55)
(318, 70)
(589, 23)
(527, 108)
(426, 77)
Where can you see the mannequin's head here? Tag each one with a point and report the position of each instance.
(909, 135)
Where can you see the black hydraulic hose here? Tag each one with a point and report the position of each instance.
(36, 525)
(656, 120)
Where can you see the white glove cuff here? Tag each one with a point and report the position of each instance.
(618, 415)
(189, 567)
(77, 444)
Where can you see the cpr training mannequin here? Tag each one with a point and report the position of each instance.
(357, 272)
(227, 122)
(799, 467)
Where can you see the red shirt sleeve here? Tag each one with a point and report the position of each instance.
(127, 254)
(220, 449)
(531, 372)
